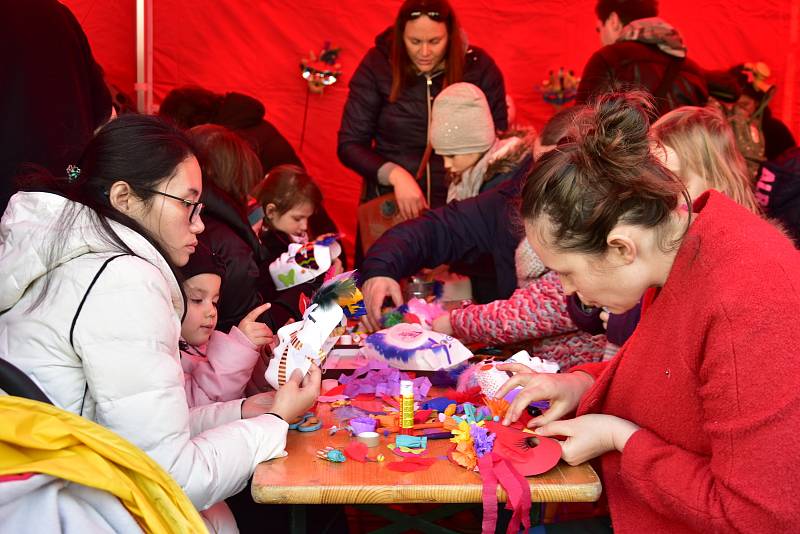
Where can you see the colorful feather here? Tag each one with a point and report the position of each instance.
(343, 291)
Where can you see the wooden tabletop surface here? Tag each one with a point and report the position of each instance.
(302, 478)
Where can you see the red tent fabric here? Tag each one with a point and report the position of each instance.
(256, 47)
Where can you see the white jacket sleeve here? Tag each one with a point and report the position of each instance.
(207, 416)
(127, 338)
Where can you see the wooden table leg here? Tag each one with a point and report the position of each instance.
(423, 522)
(297, 518)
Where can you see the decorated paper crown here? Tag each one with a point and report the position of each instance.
(303, 262)
(309, 340)
(409, 346)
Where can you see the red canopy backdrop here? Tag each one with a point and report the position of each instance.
(256, 47)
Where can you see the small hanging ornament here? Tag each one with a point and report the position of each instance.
(321, 70)
(560, 87)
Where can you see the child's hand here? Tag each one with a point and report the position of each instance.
(604, 318)
(442, 324)
(258, 333)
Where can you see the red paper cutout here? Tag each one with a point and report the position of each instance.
(409, 465)
(356, 451)
(516, 446)
(302, 303)
(472, 395)
(494, 469)
(420, 416)
(337, 390)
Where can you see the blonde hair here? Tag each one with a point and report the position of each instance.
(704, 143)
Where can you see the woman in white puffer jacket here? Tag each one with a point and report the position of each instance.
(90, 308)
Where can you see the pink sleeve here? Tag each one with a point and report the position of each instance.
(536, 311)
(223, 374)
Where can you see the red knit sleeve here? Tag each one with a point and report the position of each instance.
(536, 311)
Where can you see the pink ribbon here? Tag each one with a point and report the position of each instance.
(497, 469)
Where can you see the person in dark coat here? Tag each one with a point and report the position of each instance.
(52, 96)
(384, 130)
(230, 169)
(191, 105)
(468, 231)
(778, 191)
(641, 51)
(460, 231)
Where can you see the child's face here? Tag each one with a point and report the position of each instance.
(294, 221)
(202, 295)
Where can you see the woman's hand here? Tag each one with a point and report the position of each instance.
(258, 333)
(410, 199)
(564, 391)
(375, 290)
(589, 436)
(258, 404)
(298, 394)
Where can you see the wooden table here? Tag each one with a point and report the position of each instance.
(301, 478)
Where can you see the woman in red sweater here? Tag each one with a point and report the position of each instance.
(696, 419)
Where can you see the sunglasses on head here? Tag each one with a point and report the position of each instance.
(433, 15)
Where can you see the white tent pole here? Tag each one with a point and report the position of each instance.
(144, 56)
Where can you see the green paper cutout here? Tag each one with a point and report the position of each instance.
(287, 279)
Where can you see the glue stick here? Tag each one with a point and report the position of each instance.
(406, 406)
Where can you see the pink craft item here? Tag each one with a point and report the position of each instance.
(522, 450)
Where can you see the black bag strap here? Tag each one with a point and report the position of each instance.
(78, 312)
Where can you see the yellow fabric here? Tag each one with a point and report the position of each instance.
(40, 438)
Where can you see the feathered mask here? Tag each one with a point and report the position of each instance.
(309, 340)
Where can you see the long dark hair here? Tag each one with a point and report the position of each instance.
(402, 67)
(140, 150)
(604, 175)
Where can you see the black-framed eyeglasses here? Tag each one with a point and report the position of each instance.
(433, 15)
(197, 207)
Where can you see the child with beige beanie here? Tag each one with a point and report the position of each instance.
(463, 133)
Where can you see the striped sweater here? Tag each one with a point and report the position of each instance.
(536, 313)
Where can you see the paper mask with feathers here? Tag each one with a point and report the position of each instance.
(309, 340)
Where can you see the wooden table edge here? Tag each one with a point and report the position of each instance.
(346, 494)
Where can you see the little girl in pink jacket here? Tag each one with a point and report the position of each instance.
(216, 366)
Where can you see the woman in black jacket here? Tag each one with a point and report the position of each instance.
(384, 129)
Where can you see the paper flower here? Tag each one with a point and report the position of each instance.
(482, 440)
(462, 434)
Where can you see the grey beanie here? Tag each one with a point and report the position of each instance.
(461, 121)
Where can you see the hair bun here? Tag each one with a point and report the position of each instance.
(615, 131)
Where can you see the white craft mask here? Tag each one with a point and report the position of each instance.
(304, 342)
(302, 263)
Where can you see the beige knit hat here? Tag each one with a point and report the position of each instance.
(461, 121)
